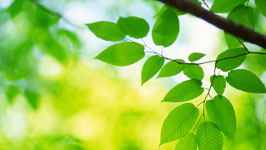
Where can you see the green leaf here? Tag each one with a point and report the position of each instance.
(224, 6)
(232, 63)
(209, 137)
(178, 122)
(243, 15)
(133, 26)
(108, 31)
(218, 84)
(221, 112)
(194, 72)
(171, 68)
(189, 142)
(184, 91)
(11, 93)
(195, 56)
(122, 54)
(246, 81)
(260, 4)
(166, 28)
(32, 97)
(151, 67)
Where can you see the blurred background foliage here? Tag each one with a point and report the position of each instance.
(54, 96)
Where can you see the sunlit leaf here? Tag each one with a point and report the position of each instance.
(194, 72)
(221, 112)
(108, 31)
(243, 15)
(246, 81)
(178, 122)
(122, 54)
(171, 68)
(218, 84)
(232, 63)
(224, 6)
(151, 67)
(260, 4)
(189, 142)
(184, 91)
(209, 137)
(195, 56)
(166, 28)
(133, 26)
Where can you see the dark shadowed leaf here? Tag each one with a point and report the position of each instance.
(122, 54)
(166, 28)
(11, 93)
(218, 84)
(232, 63)
(194, 72)
(151, 67)
(184, 91)
(224, 6)
(189, 142)
(221, 112)
(246, 81)
(178, 122)
(171, 68)
(195, 56)
(133, 26)
(209, 137)
(32, 97)
(108, 31)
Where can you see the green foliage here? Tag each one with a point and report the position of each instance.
(195, 56)
(11, 93)
(184, 91)
(151, 67)
(243, 15)
(222, 113)
(166, 28)
(194, 72)
(189, 142)
(108, 31)
(122, 54)
(234, 62)
(32, 97)
(179, 122)
(133, 26)
(260, 4)
(172, 68)
(209, 137)
(218, 84)
(246, 81)
(224, 6)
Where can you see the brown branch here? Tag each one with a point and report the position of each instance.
(227, 25)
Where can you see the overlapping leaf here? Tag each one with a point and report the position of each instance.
(224, 6)
(221, 112)
(179, 122)
(260, 4)
(189, 142)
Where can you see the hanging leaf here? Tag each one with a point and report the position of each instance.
(133, 26)
(178, 122)
(222, 113)
(184, 91)
(195, 56)
(209, 137)
(166, 28)
(122, 54)
(194, 72)
(32, 97)
(105, 30)
(171, 68)
(218, 84)
(151, 67)
(243, 15)
(11, 93)
(260, 4)
(246, 81)
(224, 6)
(232, 63)
(189, 142)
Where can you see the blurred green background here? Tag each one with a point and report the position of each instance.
(55, 96)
